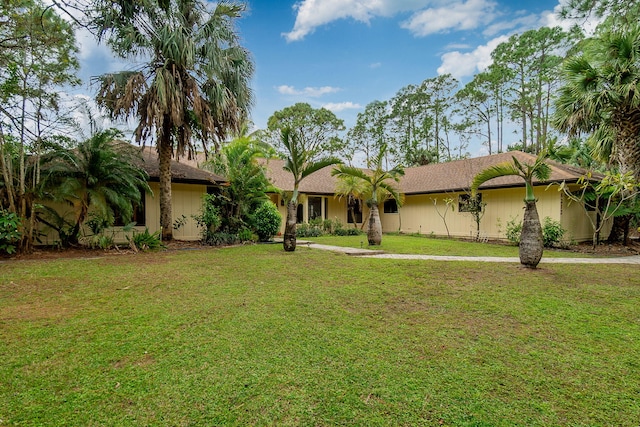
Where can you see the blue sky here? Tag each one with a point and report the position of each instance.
(344, 54)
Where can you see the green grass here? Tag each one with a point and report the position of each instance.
(255, 336)
(424, 245)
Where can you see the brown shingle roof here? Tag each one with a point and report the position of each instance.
(180, 171)
(433, 178)
(320, 182)
(457, 175)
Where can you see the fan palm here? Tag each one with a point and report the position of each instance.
(378, 187)
(300, 163)
(195, 83)
(101, 174)
(601, 96)
(531, 243)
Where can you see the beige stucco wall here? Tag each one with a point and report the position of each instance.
(424, 214)
(187, 201)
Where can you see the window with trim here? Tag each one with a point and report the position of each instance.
(139, 213)
(354, 211)
(467, 204)
(315, 208)
(390, 206)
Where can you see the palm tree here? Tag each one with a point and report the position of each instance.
(101, 174)
(531, 243)
(300, 163)
(378, 188)
(247, 182)
(601, 97)
(195, 83)
(353, 189)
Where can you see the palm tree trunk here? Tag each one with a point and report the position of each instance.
(164, 159)
(374, 234)
(620, 230)
(531, 244)
(289, 242)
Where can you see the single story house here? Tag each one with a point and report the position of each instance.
(436, 199)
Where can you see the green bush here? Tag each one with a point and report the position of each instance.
(9, 233)
(514, 228)
(309, 230)
(552, 232)
(220, 238)
(266, 221)
(209, 219)
(145, 241)
(246, 235)
(101, 241)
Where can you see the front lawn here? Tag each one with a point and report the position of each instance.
(425, 245)
(252, 335)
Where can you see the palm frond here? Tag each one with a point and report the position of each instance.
(496, 171)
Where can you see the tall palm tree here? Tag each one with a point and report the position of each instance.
(300, 163)
(101, 174)
(195, 83)
(378, 188)
(601, 97)
(531, 243)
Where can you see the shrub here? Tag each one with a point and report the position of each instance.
(9, 234)
(101, 241)
(246, 235)
(209, 219)
(145, 241)
(309, 230)
(552, 232)
(514, 228)
(266, 221)
(220, 238)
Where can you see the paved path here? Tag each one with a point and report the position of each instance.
(635, 259)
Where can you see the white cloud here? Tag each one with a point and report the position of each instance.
(312, 14)
(464, 64)
(313, 92)
(456, 16)
(552, 19)
(341, 106)
(460, 64)
(457, 46)
(375, 65)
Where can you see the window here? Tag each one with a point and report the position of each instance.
(315, 208)
(390, 206)
(139, 213)
(354, 211)
(466, 204)
(299, 214)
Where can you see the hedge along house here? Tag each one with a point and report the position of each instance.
(437, 199)
(188, 186)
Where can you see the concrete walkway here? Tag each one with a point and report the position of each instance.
(635, 259)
